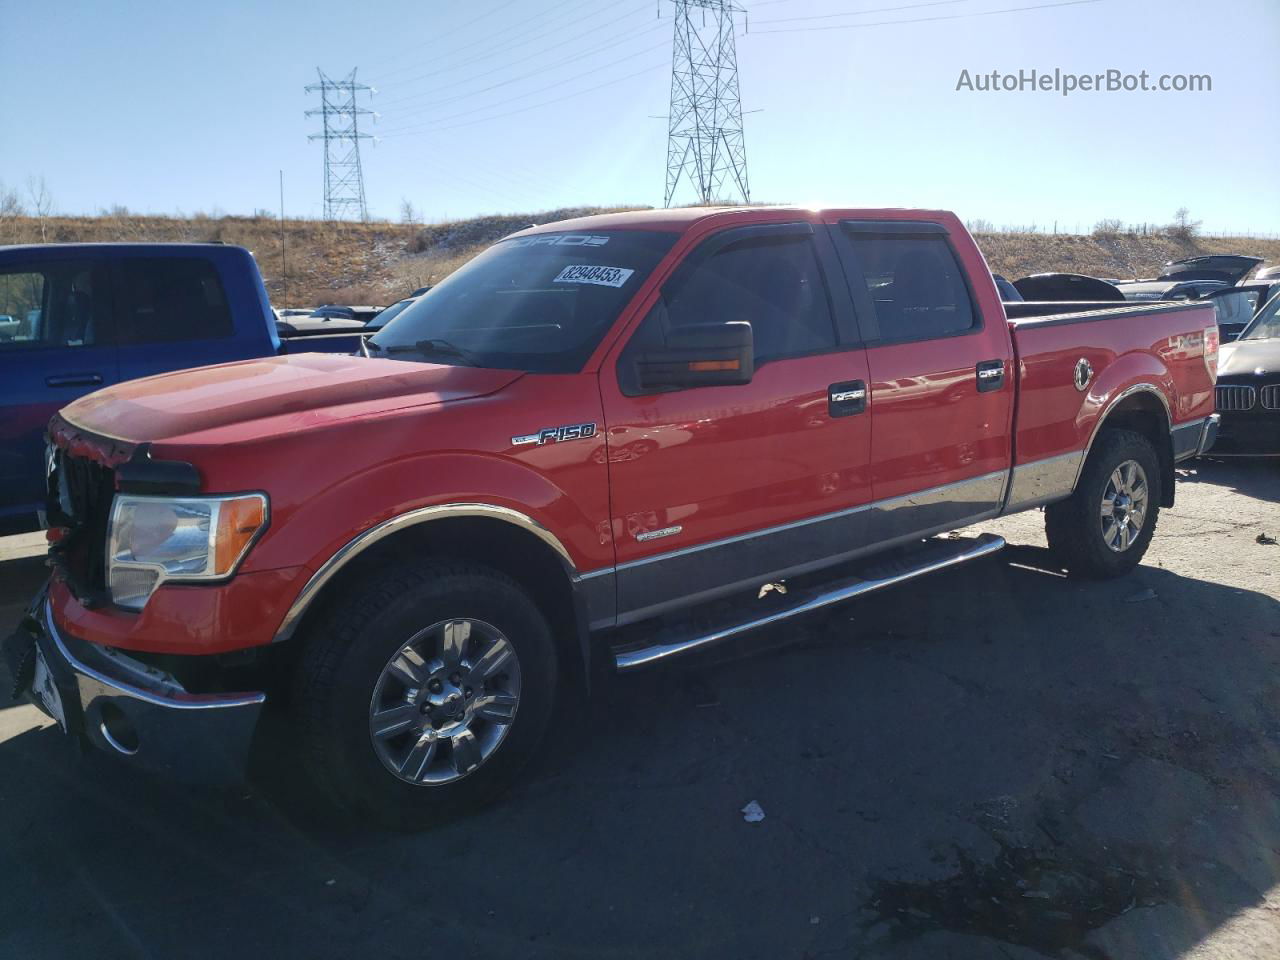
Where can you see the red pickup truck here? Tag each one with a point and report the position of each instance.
(587, 449)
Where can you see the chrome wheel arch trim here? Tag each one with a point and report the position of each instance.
(1110, 407)
(412, 518)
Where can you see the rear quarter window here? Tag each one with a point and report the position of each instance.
(171, 299)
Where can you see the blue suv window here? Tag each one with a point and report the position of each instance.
(58, 303)
(165, 299)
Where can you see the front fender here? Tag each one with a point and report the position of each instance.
(313, 529)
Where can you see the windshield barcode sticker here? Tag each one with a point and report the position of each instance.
(601, 276)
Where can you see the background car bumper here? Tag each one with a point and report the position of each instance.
(1252, 434)
(132, 710)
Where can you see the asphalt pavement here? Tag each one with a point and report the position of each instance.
(992, 762)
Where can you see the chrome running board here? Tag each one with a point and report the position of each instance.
(929, 557)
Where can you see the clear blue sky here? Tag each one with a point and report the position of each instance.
(165, 106)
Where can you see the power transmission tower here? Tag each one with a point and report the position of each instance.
(343, 175)
(704, 133)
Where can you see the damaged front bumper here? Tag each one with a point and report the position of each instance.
(127, 708)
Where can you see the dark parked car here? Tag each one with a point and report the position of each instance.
(1066, 288)
(1237, 306)
(1141, 290)
(1248, 390)
(1192, 278)
(393, 311)
(333, 311)
(1008, 292)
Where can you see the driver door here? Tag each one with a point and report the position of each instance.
(714, 488)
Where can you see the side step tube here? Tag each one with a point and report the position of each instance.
(942, 554)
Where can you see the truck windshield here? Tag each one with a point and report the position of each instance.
(539, 303)
(1266, 325)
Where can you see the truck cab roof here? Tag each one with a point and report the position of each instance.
(681, 219)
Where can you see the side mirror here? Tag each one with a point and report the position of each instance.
(698, 355)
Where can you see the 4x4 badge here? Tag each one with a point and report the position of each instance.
(572, 431)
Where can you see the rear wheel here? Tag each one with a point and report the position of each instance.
(1105, 527)
(425, 693)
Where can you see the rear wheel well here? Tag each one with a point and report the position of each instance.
(1143, 413)
(497, 544)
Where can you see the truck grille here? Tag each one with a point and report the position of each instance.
(1271, 397)
(80, 500)
(1233, 398)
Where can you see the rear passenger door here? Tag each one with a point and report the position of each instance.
(715, 487)
(941, 379)
(172, 312)
(55, 346)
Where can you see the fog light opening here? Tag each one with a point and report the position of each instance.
(117, 730)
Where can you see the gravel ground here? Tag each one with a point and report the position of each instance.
(994, 762)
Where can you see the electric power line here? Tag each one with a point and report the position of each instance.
(429, 107)
(859, 13)
(532, 56)
(487, 41)
(952, 16)
(520, 96)
(533, 106)
(444, 35)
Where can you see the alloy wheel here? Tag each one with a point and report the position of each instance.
(1124, 505)
(444, 701)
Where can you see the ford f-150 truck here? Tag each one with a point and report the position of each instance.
(87, 315)
(588, 449)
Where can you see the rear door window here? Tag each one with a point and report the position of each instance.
(169, 299)
(57, 303)
(915, 284)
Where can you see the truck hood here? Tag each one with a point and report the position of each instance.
(298, 386)
(1249, 358)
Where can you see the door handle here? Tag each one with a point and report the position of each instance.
(846, 398)
(990, 375)
(74, 380)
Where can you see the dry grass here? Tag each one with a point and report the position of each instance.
(338, 262)
(381, 262)
(1121, 256)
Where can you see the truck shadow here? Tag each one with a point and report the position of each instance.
(1257, 477)
(988, 761)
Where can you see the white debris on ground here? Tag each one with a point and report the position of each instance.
(753, 812)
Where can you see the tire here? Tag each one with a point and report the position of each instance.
(354, 675)
(1079, 534)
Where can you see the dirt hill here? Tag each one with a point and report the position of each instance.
(381, 262)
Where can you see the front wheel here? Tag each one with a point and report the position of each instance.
(425, 692)
(1104, 528)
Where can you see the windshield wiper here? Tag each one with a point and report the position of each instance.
(436, 346)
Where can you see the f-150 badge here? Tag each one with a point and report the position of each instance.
(573, 431)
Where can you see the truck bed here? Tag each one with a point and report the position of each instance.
(1055, 417)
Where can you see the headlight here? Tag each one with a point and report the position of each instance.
(183, 539)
